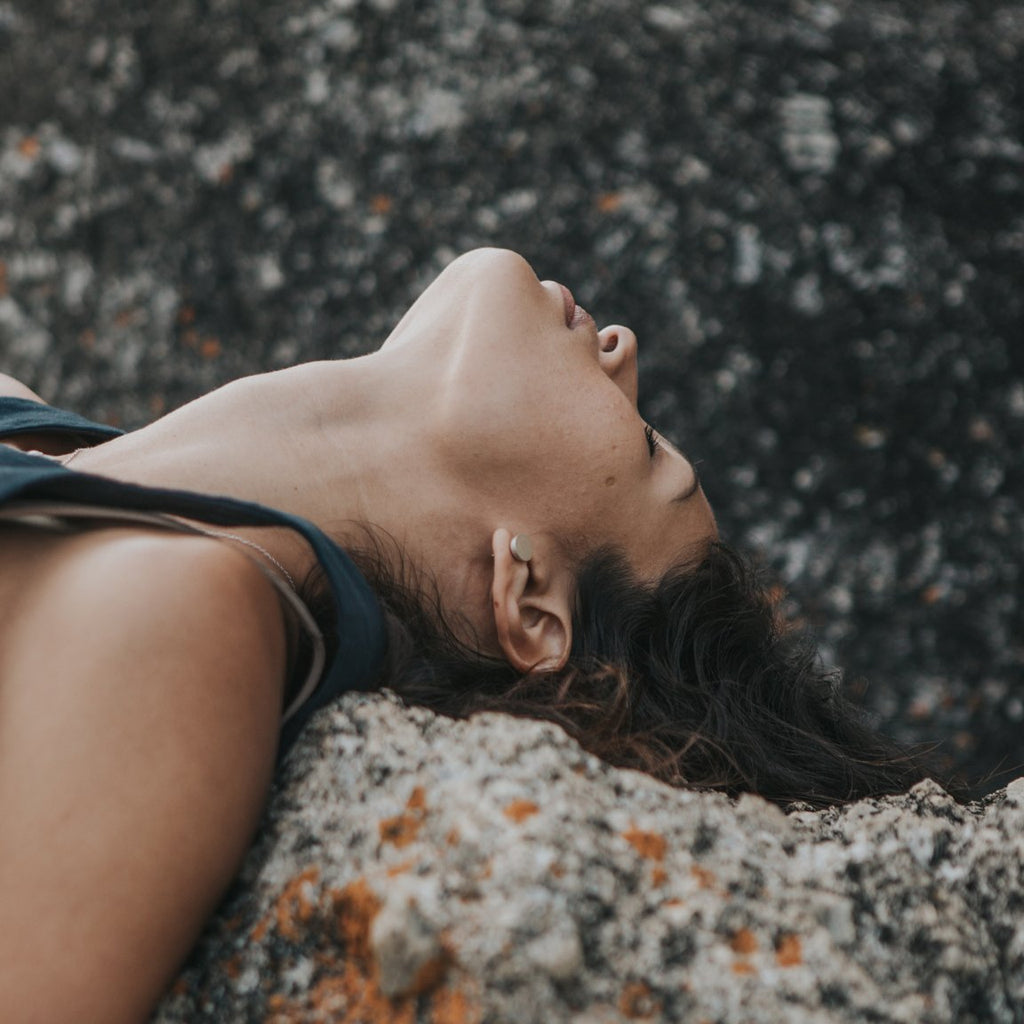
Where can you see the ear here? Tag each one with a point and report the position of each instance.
(532, 604)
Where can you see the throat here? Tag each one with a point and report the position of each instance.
(272, 439)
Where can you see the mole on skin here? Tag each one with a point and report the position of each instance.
(609, 481)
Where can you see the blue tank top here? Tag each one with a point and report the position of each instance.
(359, 622)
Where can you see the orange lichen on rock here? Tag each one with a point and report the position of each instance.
(400, 830)
(350, 997)
(330, 997)
(232, 967)
(347, 986)
(744, 941)
(29, 147)
(364, 1001)
(789, 951)
(209, 348)
(262, 927)
(608, 202)
(637, 1003)
(706, 879)
(520, 810)
(295, 906)
(659, 876)
(355, 907)
(347, 989)
(650, 845)
(293, 903)
(403, 829)
(431, 974)
(453, 1006)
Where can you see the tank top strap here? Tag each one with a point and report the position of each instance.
(23, 416)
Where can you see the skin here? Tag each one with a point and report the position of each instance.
(482, 412)
(485, 414)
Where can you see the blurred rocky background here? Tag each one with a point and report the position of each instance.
(812, 213)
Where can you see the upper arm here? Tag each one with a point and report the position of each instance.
(136, 749)
(11, 388)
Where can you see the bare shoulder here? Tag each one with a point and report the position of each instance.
(138, 595)
(11, 388)
(138, 725)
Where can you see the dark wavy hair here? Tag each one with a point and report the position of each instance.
(696, 680)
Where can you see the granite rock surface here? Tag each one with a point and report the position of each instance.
(412, 868)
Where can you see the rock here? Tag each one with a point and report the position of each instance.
(808, 140)
(414, 868)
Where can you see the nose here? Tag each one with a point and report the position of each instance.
(617, 355)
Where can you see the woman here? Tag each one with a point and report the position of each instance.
(534, 546)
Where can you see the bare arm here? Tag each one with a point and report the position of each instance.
(139, 707)
(11, 388)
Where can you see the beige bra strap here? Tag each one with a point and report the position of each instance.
(51, 515)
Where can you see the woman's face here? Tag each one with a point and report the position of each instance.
(535, 410)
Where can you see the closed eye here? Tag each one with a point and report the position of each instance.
(654, 443)
(652, 440)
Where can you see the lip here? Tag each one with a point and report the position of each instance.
(570, 304)
(575, 316)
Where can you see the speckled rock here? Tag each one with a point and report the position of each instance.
(412, 868)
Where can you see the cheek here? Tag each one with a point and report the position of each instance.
(564, 431)
(605, 469)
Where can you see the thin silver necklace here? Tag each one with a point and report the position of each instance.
(256, 547)
(65, 459)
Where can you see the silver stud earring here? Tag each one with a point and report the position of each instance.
(521, 547)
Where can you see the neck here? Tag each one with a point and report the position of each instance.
(333, 442)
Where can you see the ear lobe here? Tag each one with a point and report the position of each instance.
(532, 606)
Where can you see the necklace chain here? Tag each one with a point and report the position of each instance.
(256, 547)
(64, 460)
